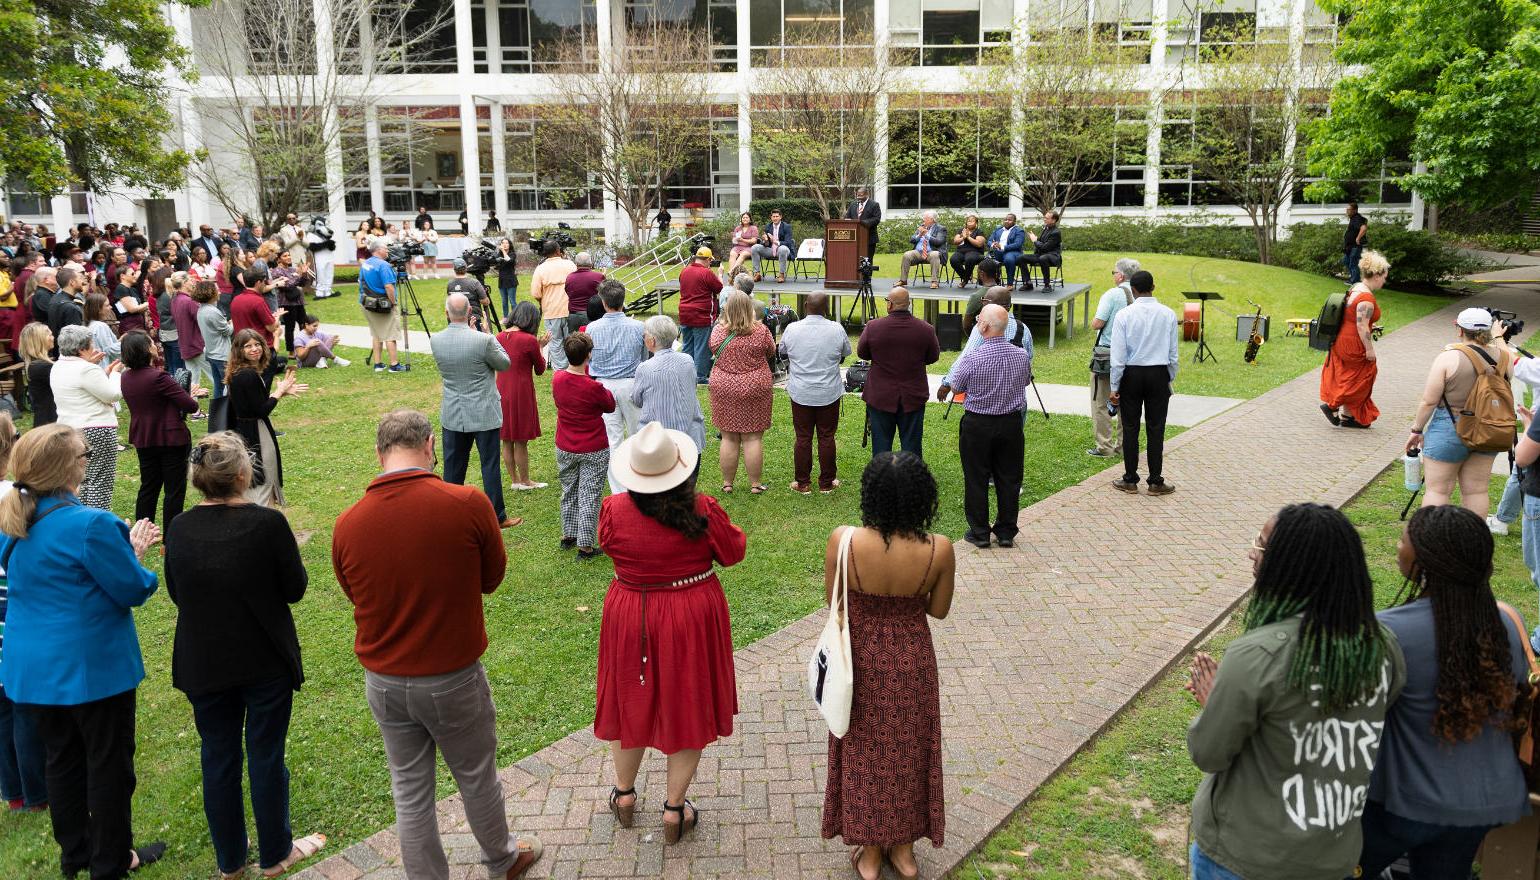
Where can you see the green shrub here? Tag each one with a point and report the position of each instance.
(1416, 256)
(802, 214)
(1502, 242)
(1138, 235)
(345, 275)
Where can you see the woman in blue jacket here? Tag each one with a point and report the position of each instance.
(71, 651)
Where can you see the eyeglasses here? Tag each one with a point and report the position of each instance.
(1257, 545)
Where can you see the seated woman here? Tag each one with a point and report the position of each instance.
(313, 346)
(967, 250)
(745, 234)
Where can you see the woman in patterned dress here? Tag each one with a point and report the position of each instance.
(740, 389)
(884, 790)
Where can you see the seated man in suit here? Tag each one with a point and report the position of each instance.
(929, 247)
(1045, 249)
(1005, 245)
(775, 243)
(870, 214)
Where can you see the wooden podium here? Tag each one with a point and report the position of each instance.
(844, 244)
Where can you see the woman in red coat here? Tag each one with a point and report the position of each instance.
(516, 387)
(665, 642)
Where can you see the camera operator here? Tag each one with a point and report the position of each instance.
(548, 288)
(377, 278)
(475, 294)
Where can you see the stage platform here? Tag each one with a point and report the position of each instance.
(1052, 302)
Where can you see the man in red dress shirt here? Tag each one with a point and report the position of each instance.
(698, 289)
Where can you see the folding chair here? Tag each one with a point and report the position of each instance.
(810, 251)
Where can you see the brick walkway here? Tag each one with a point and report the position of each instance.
(1045, 644)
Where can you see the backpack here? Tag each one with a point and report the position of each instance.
(1323, 331)
(1021, 332)
(1486, 422)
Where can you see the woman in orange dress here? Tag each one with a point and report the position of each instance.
(1347, 380)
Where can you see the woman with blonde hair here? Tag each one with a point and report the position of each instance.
(1347, 380)
(36, 342)
(252, 399)
(740, 389)
(233, 569)
(71, 651)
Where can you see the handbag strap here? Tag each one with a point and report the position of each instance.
(723, 346)
(1529, 651)
(842, 578)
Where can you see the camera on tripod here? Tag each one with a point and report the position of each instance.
(864, 267)
(562, 235)
(402, 252)
(1513, 326)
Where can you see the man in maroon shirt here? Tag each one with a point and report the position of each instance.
(698, 289)
(900, 347)
(416, 597)
(582, 287)
(248, 311)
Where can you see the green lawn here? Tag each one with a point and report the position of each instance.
(1282, 293)
(543, 623)
(1120, 809)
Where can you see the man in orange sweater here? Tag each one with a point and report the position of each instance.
(416, 597)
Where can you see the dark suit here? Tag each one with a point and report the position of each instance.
(1045, 253)
(900, 347)
(870, 215)
(784, 251)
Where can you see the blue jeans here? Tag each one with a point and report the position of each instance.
(910, 427)
(1531, 540)
(1009, 262)
(22, 757)
(217, 367)
(263, 711)
(173, 352)
(1205, 868)
(510, 294)
(457, 459)
(1433, 850)
(697, 345)
(1512, 503)
(1350, 259)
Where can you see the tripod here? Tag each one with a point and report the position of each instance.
(1204, 352)
(406, 293)
(864, 300)
(491, 307)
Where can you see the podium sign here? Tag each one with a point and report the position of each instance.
(844, 244)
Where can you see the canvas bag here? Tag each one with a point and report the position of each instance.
(830, 675)
(1486, 422)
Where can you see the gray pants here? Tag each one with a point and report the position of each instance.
(781, 254)
(557, 327)
(452, 713)
(1109, 434)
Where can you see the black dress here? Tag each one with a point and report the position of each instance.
(43, 410)
(250, 405)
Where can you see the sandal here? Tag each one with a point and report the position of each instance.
(304, 848)
(888, 857)
(1331, 414)
(672, 831)
(149, 854)
(624, 815)
(759, 488)
(727, 488)
(855, 862)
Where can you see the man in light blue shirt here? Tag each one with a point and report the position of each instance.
(1144, 364)
(619, 348)
(665, 383)
(1109, 439)
(378, 276)
(1015, 331)
(814, 348)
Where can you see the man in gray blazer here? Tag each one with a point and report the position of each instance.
(468, 360)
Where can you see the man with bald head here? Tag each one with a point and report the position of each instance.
(471, 412)
(900, 347)
(814, 348)
(994, 375)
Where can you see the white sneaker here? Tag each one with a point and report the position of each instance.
(1497, 526)
(320, 364)
(343, 362)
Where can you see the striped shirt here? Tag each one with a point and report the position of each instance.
(665, 392)
(1144, 335)
(994, 376)
(618, 346)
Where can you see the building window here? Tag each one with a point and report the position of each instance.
(718, 18)
(778, 27)
(942, 33)
(949, 153)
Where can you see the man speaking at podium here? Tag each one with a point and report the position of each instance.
(870, 214)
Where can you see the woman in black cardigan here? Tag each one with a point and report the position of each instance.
(251, 402)
(233, 569)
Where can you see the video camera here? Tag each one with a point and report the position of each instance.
(401, 253)
(864, 267)
(562, 235)
(480, 259)
(1513, 326)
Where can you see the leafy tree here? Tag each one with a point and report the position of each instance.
(83, 101)
(1453, 85)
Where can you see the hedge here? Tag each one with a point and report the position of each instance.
(1416, 256)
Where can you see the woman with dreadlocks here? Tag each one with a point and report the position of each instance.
(1290, 724)
(1447, 772)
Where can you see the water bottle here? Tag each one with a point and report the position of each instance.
(1411, 465)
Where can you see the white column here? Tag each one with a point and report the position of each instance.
(605, 28)
(493, 17)
(1160, 35)
(1020, 33)
(470, 150)
(499, 162)
(62, 216)
(326, 64)
(880, 30)
(1291, 100)
(1419, 208)
(376, 170)
(745, 123)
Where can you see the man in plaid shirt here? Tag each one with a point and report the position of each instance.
(994, 376)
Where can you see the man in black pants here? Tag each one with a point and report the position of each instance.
(990, 444)
(1144, 364)
(1045, 251)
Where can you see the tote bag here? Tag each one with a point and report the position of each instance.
(830, 676)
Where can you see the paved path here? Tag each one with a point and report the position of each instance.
(1046, 643)
(1186, 409)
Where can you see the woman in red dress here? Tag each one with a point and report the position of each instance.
(516, 387)
(741, 388)
(884, 790)
(1347, 380)
(665, 677)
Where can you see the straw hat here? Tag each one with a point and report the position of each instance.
(654, 459)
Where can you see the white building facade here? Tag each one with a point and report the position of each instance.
(471, 88)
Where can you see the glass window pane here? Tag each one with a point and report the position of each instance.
(765, 22)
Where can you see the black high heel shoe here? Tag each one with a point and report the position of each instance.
(672, 832)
